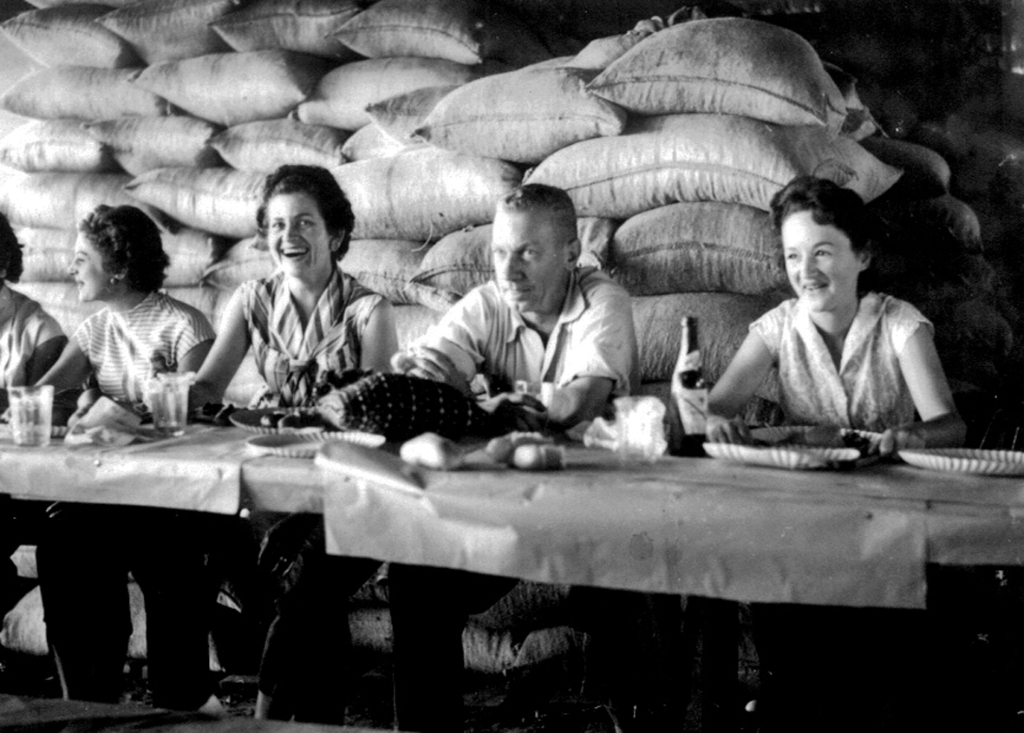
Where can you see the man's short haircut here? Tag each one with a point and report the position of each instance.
(540, 197)
(11, 256)
(128, 241)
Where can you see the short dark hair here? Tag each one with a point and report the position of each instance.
(11, 256)
(323, 188)
(829, 204)
(541, 197)
(128, 241)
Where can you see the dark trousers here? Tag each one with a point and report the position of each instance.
(842, 669)
(636, 637)
(306, 664)
(84, 559)
(21, 523)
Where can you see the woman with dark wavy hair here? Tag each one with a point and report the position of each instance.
(87, 551)
(306, 320)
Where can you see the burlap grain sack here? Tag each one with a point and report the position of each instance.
(218, 200)
(723, 319)
(167, 30)
(70, 36)
(343, 94)
(463, 31)
(57, 3)
(232, 88)
(268, 144)
(694, 157)
(61, 200)
(46, 253)
(243, 261)
(926, 174)
(523, 116)
(599, 54)
(141, 144)
(694, 247)
(370, 141)
(423, 194)
(294, 25)
(82, 93)
(55, 145)
(727, 66)
(388, 267)
(461, 261)
(400, 116)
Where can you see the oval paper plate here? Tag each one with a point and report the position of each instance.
(305, 445)
(791, 457)
(250, 420)
(967, 460)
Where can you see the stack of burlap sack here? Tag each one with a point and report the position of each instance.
(671, 139)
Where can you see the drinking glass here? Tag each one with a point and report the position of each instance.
(31, 414)
(167, 397)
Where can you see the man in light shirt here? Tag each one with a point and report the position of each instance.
(541, 319)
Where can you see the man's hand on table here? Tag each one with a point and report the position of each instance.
(524, 411)
(429, 363)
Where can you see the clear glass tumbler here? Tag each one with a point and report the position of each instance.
(31, 414)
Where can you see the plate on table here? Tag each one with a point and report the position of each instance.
(792, 457)
(252, 420)
(966, 460)
(306, 445)
(818, 436)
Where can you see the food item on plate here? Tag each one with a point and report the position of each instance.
(502, 448)
(534, 457)
(431, 450)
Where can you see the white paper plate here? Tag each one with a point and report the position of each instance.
(791, 457)
(817, 436)
(306, 445)
(967, 460)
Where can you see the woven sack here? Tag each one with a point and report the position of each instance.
(83, 93)
(370, 141)
(400, 116)
(492, 117)
(243, 261)
(232, 88)
(218, 200)
(62, 200)
(342, 95)
(423, 194)
(141, 144)
(55, 145)
(268, 144)
(461, 261)
(926, 173)
(599, 54)
(57, 3)
(167, 30)
(463, 31)
(70, 36)
(694, 157)
(388, 266)
(723, 317)
(46, 253)
(694, 247)
(726, 66)
(293, 25)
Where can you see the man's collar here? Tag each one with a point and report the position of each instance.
(573, 306)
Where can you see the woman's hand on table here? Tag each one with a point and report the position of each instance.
(723, 430)
(525, 412)
(905, 436)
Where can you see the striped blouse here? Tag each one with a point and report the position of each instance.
(24, 326)
(289, 357)
(120, 346)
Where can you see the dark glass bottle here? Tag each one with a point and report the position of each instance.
(689, 393)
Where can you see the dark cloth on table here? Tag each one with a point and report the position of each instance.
(306, 664)
(635, 642)
(84, 558)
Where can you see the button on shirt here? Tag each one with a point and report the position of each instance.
(594, 336)
(868, 391)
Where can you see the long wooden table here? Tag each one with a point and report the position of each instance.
(683, 525)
